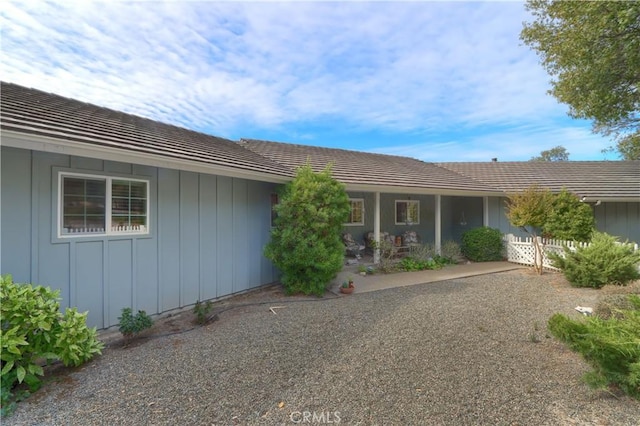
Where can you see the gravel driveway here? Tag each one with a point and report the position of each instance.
(460, 352)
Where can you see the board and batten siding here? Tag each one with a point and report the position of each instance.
(620, 219)
(206, 238)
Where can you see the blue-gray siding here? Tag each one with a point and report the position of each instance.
(460, 214)
(206, 239)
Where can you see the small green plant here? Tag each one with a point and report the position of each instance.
(131, 325)
(362, 269)
(450, 250)
(202, 310)
(483, 244)
(611, 346)
(411, 264)
(33, 331)
(604, 261)
(533, 337)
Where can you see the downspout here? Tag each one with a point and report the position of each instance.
(485, 211)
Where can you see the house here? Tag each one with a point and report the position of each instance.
(116, 210)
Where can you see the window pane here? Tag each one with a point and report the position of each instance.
(413, 212)
(120, 188)
(139, 190)
(357, 212)
(401, 211)
(138, 206)
(83, 205)
(128, 205)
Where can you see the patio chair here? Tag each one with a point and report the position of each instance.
(351, 246)
(410, 238)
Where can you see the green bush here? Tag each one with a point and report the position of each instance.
(482, 244)
(306, 243)
(611, 346)
(131, 325)
(604, 261)
(34, 330)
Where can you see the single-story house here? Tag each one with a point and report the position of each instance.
(116, 210)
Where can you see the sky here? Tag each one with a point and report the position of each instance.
(438, 81)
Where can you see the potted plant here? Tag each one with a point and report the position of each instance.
(347, 287)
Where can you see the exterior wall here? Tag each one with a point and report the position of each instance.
(459, 214)
(206, 238)
(619, 219)
(425, 229)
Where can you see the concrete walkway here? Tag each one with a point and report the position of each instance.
(380, 281)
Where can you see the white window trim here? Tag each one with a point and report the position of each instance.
(361, 200)
(108, 199)
(395, 211)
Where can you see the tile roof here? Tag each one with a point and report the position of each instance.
(36, 112)
(592, 179)
(364, 169)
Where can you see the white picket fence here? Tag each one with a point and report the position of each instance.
(522, 251)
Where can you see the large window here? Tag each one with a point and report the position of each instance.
(102, 205)
(356, 216)
(407, 212)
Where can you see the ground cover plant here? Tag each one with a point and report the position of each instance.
(131, 325)
(611, 345)
(604, 261)
(34, 332)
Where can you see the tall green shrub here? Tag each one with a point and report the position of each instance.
(569, 219)
(482, 244)
(32, 329)
(305, 242)
(611, 346)
(604, 261)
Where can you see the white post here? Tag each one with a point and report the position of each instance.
(485, 211)
(376, 229)
(438, 224)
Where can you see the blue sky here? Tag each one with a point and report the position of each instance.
(438, 81)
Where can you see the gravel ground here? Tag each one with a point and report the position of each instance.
(460, 352)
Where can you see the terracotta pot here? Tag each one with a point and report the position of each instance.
(347, 290)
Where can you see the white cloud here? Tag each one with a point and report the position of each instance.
(417, 67)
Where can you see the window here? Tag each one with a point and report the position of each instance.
(407, 212)
(274, 203)
(356, 216)
(102, 205)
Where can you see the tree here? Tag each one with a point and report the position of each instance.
(305, 243)
(560, 216)
(559, 153)
(592, 50)
(529, 211)
(569, 219)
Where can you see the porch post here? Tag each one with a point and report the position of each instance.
(376, 229)
(485, 211)
(438, 224)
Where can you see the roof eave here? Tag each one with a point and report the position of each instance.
(420, 190)
(30, 141)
